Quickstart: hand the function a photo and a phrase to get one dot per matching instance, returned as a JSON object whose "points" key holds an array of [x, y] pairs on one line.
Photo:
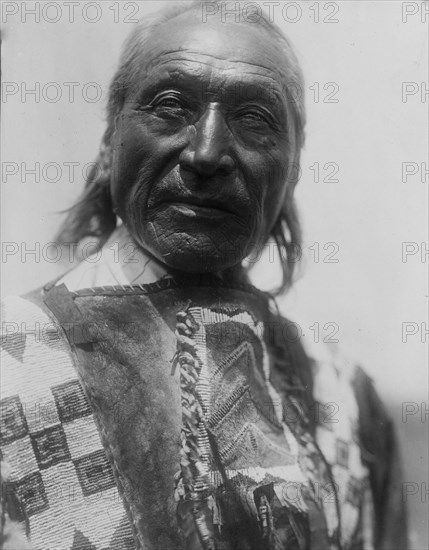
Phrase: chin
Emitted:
{"points": [[198, 259], [194, 252]]}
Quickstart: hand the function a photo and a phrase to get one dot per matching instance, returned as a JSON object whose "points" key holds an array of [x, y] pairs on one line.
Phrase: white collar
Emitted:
{"points": [[119, 262]]}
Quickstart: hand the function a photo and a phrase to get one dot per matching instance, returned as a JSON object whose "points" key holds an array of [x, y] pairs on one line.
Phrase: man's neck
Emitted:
{"points": [[121, 262]]}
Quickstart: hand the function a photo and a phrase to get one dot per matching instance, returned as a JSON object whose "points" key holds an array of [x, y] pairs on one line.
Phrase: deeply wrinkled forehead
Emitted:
{"points": [[229, 47]]}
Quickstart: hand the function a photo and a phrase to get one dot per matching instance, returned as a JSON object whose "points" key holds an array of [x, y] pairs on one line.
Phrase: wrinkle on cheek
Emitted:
{"points": [[269, 141]]}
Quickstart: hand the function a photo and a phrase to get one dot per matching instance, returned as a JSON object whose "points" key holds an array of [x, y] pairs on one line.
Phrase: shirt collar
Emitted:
{"points": [[118, 262]]}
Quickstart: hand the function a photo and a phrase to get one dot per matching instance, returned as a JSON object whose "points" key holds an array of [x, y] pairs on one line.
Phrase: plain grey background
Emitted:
{"points": [[365, 65]]}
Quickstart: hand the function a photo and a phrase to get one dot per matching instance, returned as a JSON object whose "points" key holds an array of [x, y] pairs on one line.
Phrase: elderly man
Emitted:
{"points": [[165, 407]]}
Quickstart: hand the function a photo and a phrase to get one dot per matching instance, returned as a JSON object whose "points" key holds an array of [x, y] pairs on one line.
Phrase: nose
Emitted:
{"points": [[208, 151]]}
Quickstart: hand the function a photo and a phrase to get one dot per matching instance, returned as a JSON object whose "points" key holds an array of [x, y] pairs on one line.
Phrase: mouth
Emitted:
{"points": [[205, 208]]}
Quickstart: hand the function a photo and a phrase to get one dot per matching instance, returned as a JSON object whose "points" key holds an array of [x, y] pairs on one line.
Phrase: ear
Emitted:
{"points": [[294, 173]]}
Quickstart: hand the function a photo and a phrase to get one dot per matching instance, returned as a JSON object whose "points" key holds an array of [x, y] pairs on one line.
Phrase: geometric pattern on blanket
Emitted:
{"points": [[59, 470], [226, 370]]}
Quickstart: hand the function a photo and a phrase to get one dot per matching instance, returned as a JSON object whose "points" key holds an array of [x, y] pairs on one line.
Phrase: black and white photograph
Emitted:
{"points": [[214, 275]]}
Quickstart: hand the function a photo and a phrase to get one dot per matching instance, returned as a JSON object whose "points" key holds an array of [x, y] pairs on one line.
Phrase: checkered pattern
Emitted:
{"points": [[336, 434], [59, 470]]}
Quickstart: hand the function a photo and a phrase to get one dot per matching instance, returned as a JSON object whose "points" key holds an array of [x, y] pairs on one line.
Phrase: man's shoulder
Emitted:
{"points": [[30, 337], [328, 371], [25, 309], [337, 376], [18, 311], [309, 349]]}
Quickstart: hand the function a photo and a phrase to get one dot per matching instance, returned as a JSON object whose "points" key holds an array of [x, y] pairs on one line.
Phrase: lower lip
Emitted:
{"points": [[194, 210]]}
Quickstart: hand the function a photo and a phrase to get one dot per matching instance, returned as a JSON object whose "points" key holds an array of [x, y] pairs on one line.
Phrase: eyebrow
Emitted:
{"points": [[242, 90]]}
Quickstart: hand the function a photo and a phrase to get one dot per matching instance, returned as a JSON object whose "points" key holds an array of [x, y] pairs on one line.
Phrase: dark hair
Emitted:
{"points": [[93, 214]]}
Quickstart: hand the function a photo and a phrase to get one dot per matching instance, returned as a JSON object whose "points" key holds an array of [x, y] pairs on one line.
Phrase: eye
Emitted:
{"points": [[254, 116], [169, 103], [172, 102]]}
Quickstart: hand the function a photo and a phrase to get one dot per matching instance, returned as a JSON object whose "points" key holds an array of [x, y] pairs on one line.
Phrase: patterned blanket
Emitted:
{"points": [[168, 416]]}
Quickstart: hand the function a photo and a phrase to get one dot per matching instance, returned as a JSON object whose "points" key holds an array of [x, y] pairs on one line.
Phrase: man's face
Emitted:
{"points": [[202, 144]]}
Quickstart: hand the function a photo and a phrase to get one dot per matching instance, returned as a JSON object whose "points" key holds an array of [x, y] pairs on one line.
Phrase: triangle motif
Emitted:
{"points": [[14, 344], [80, 542]]}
